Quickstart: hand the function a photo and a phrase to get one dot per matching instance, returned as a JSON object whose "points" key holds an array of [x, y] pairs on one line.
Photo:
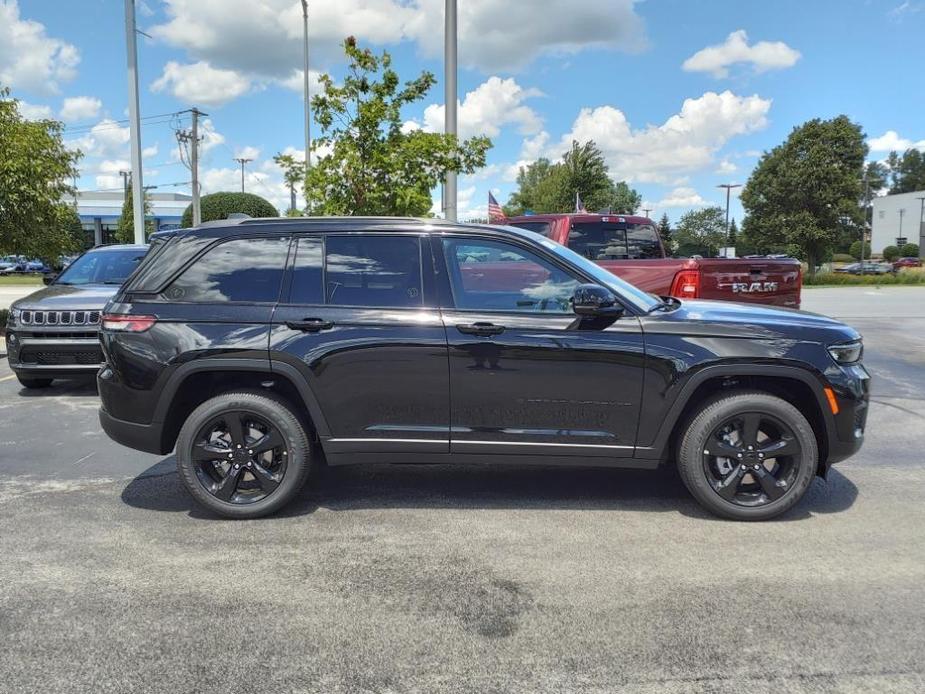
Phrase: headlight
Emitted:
{"points": [[847, 353], [13, 317]]}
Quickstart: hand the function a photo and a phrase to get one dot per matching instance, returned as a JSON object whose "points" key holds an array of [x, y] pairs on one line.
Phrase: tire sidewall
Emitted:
{"points": [[280, 416], [690, 458]]}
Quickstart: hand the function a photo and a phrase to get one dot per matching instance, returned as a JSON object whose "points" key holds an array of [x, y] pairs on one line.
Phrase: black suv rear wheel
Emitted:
{"points": [[748, 456], [243, 455]]}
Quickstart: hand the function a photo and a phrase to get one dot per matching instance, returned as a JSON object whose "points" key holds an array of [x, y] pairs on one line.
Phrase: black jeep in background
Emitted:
{"points": [[260, 347], [53, 333]]}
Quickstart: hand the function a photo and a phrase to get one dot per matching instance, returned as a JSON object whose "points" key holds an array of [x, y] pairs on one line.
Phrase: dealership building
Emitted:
{"points": [[898, 219], [99, 212]]}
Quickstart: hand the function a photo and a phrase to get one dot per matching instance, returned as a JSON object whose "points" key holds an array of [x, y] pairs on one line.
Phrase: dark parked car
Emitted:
{"points": [[259, 348], [53, 332], [865, 268]]}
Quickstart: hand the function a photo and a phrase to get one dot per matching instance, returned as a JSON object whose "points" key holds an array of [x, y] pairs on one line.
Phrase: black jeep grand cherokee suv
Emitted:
{"points": [[259, 347]]}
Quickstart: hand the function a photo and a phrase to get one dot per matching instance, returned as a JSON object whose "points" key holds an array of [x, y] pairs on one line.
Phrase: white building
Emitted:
{"points": [[898, 219], [100, 211]]}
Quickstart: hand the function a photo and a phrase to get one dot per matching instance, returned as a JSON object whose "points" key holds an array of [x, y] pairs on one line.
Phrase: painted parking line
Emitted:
{"points": [[7, 378]]}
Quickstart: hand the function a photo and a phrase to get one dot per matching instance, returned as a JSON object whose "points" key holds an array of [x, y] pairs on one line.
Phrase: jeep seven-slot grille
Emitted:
{"points": [[60, 317]]}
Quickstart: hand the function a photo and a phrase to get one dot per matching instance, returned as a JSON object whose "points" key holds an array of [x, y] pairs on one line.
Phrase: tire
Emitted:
{"points": [[754, 496], [33, 382], [206, 479]]}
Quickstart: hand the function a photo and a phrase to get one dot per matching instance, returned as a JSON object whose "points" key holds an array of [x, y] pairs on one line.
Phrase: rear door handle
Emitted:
{"points": [[480, 328], [310, 325]]}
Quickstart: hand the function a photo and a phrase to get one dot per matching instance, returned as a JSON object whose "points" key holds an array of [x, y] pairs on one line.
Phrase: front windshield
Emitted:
{"points": [[640, 299], [102, 267]]}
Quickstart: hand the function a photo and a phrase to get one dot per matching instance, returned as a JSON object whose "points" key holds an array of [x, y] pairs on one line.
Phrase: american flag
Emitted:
{"points": [[495, 213]]}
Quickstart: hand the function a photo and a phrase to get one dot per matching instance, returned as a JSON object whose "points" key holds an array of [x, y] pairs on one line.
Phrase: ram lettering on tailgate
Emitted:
{"points": [[752, 287]]}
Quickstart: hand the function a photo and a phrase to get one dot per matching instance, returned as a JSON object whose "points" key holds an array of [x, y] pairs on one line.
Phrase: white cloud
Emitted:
{"points": [[78, 108], [148, 152], [905, 9], [686, 142], [486, 109], [34, 111], [891, 141], [108, 176], [726, 167], [29, 58], [681, 197], [295, 82], [105, 139], [262, 39], [200, 83], [247, 152], [762, 56]]}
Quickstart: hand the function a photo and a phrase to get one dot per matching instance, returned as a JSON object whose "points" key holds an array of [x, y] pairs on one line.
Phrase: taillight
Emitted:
{"points": [[127, 324], [686, 284]]}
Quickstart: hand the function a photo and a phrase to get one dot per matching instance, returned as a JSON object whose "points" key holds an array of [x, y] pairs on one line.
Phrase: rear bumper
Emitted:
{"points": [[141, 437]]}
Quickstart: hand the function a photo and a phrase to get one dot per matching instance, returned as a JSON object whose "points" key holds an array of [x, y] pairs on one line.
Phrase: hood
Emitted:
{"points": [[68, 297], [730, 319]]}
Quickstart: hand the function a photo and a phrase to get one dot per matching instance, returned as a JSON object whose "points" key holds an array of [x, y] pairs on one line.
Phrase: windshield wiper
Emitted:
{"points": [[113, 281]]}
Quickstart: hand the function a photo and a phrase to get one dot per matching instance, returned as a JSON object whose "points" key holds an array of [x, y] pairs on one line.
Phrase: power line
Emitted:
{"points": [[110, 124]]}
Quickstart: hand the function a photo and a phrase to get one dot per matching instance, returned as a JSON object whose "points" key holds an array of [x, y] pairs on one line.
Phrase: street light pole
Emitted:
{"points": [[902, 213], [242, 161], [131, 50], [307, 94], [728, 187], [449, 78], [922, 228]]}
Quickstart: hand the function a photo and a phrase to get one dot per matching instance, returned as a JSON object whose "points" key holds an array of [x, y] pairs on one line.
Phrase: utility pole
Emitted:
{"points": [[194, 165], [864, 225], [921, 228], [902, 213], [728, 187], [449, 78], [307, 97], [242, 161], [131, 51], [126, 182], [647, 210]]}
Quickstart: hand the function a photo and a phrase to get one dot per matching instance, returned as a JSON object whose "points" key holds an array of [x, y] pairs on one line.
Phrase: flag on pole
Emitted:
{"points": [[495, 213], [579, 205]]}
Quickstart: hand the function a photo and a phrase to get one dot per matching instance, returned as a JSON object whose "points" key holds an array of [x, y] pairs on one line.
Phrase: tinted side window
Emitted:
{"points": [[642, 241], [495, 276], [373, 270], [599, 240], [307, 272], [237, 270]]}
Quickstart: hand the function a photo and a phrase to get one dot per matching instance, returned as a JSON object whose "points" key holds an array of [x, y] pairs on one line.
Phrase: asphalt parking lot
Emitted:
{"points": [[439, 579]]}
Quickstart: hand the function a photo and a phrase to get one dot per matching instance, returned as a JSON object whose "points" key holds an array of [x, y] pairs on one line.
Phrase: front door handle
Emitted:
{"points": [[480, 328], [310, 325]]}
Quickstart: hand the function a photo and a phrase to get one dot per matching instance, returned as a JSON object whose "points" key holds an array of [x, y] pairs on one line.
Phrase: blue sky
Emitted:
{"points": [[680, 95]]}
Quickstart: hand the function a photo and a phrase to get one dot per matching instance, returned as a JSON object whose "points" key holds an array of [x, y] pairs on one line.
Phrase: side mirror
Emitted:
{"points": [[595, 301], [49, 278]]}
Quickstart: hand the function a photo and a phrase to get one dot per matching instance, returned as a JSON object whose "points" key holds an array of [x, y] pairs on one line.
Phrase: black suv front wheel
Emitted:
{"points": [[243, 455], [748, 456]]}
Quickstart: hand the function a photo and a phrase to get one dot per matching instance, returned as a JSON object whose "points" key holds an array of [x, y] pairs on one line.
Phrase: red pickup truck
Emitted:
{"points": [[630, 247]]}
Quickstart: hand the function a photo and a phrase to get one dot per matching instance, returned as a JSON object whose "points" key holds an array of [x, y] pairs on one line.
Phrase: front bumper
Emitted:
{"points": [[851, 385], [53, 352]]}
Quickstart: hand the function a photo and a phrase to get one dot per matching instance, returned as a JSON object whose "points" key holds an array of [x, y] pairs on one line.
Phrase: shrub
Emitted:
{"points": [[909, 250], [220, 205], [855, 250], [834, 278], [891, 253], [842, 257]]}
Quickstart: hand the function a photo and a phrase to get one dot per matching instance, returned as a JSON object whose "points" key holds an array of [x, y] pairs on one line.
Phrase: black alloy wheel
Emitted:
{"points": [[751, 459], [240, 457], [244, 455], [748, 455]]}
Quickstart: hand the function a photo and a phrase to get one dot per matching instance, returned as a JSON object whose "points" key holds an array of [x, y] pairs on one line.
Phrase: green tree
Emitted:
{"points": [[125, 227], [803, 191], [664, 230], [219, 205], [36, 171], [375, 166], [891, 253], [701, 232], [623, 199], [538, 186], [909, 250], [855, 250], [906, 171], [293, 175], [733, 235]]}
